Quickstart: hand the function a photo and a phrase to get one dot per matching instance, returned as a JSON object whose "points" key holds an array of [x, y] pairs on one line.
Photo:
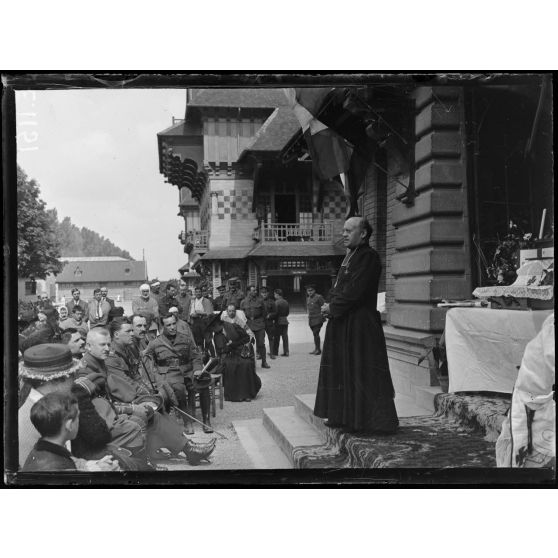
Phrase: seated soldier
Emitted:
{"points": [[104, 421], [56, 417], [125, 385], [181, 325], [178, 361]]}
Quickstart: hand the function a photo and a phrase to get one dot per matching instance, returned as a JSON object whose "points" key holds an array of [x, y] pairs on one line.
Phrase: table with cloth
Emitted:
{"points": [[485, 346]]}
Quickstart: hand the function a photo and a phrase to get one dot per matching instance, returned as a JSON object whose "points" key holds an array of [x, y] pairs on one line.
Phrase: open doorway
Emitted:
{"points": [[285, 208]]}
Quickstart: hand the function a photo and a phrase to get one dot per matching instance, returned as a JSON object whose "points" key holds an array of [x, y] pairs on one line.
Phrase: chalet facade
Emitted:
{"points": [[447, 168], [254, 218]]}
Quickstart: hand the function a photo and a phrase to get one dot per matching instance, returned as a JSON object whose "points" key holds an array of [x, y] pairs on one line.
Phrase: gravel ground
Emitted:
{"points": [[287, 377]]}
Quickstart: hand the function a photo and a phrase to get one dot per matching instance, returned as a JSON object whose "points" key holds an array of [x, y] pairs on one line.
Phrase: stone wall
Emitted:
{"points": [[431, 260]]}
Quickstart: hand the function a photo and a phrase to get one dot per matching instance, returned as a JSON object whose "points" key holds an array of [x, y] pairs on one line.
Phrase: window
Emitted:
{"points": [[30, 287]]}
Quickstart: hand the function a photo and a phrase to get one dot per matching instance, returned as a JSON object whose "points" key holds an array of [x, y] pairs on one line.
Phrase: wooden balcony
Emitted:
{"points": [[200, 239], [294, 232]]}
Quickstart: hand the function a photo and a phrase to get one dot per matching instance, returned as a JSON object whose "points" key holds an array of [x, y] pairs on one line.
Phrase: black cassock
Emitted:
{"points": [[355, 387]]}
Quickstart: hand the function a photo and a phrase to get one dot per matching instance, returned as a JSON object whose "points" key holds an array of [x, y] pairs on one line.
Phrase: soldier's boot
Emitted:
{"points": [[264, 361], [205, 404]]}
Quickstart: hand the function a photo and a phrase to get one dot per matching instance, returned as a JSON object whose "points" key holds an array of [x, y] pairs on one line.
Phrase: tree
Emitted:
{"points": [[38, 248]]}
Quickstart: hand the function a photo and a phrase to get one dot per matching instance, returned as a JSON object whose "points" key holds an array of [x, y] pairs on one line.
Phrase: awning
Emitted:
{"points": [[297, 249], [233, 253]]}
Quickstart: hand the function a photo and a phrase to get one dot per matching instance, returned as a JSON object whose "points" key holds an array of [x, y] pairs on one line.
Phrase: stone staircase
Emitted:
{"points": [[292, 437]]}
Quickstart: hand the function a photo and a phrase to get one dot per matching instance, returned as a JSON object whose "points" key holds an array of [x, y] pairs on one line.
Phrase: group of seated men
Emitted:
{"points": [[126, 376]]}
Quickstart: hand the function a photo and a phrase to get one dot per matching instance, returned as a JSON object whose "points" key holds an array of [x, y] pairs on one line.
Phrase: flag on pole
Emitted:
{"points": [[331, 154]]}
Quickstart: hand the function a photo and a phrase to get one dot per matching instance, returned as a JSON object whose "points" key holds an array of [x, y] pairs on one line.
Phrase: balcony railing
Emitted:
{"points": [[294, 232], [200, 239]]}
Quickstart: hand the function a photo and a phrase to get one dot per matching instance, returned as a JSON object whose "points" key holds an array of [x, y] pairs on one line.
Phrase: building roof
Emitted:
{"points": [[238, 98], [84, 270], [297, 249], [93, 259], [232, 253], [276, 131]]}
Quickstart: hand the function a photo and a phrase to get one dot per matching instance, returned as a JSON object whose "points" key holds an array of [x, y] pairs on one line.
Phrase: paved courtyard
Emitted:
{"points": [[287, 377]]}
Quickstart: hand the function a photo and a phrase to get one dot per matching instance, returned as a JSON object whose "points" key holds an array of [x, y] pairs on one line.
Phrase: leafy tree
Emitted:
{"points": [[38, 248]]}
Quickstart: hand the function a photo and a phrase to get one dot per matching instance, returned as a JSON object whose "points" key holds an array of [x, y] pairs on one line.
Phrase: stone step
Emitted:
{"points": [[290, 431], [260, 446], [425, 395], [405, 406]]}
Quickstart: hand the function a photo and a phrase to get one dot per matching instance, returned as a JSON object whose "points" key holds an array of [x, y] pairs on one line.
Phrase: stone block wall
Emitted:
{"points": [[430, 242]]}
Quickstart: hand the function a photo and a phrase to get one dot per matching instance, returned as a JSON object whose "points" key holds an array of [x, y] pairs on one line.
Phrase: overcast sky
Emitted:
{"points": [[96, 162]]}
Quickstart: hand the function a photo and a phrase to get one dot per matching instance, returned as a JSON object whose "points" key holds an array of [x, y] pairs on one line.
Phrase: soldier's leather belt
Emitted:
{"points": [[172, 361]]}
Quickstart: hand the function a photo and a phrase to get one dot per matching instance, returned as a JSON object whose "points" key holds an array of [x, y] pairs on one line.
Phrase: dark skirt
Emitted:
{"points": [[355, 387], [240, 379]]}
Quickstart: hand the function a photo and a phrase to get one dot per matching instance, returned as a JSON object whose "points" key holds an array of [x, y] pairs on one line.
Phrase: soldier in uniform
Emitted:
{"points": [[98, 411], [234, 296], [125, 385], [253, 307], [184, 300], [178, 361], [314, 303], [169, 300], [220, 302], [270, 310]]}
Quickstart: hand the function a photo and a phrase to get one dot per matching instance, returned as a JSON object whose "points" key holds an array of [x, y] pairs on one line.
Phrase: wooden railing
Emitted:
{"points": [[294, 232], [200, 239]]}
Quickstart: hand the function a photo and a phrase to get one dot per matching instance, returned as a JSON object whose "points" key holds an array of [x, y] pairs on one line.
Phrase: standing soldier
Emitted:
{"points": [[314, 303], [253, 307], [178, 362], [220, 302], [281, 323], [184, 298], [270, 311], [234, 296], [169, 300]]}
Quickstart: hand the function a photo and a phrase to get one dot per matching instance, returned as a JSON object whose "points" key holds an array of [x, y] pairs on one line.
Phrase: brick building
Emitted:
{"points": [[122, 277], [448, 167]]}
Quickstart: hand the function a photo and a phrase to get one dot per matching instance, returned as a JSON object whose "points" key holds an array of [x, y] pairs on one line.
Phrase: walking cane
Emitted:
{"points": [[211, 361]]}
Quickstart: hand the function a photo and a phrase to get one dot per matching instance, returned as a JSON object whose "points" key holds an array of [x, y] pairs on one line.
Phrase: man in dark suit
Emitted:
{"points": [[105, 298], [98, 310]]}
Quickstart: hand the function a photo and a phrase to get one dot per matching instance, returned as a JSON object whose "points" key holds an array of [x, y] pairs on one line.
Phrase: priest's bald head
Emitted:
{"points": [[356, 231]]}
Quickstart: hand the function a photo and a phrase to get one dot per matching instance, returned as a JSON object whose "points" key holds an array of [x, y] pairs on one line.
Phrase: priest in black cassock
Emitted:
{"points": [[355, 390]]}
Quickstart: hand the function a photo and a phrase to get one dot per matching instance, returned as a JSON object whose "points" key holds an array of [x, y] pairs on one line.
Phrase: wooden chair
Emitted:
{"points": [[215, 390]]}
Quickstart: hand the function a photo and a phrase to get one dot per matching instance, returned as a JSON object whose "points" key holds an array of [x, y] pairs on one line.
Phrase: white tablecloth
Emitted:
{"points": [[484, 347]]}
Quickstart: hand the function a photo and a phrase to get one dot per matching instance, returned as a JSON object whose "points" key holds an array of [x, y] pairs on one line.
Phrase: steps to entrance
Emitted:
{"points": [[290, 431], [288, 437], [260, 445]]}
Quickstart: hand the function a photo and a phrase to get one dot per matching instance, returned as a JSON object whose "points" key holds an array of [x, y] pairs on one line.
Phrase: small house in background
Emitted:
{"points": [[122, 277]]}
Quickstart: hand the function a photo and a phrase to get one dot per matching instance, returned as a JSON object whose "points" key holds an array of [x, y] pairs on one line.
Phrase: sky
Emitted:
{"points": [[94, 155]]}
